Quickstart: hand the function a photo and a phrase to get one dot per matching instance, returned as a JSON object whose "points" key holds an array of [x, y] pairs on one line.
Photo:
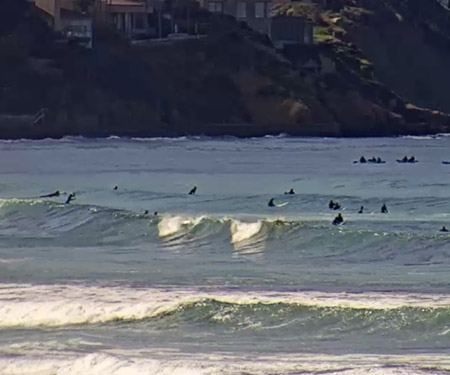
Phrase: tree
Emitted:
{"points": [[12, 12]]}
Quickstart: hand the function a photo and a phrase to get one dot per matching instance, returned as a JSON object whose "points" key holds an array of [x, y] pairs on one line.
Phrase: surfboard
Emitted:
{"points": [[446, 162], [282, 204]]}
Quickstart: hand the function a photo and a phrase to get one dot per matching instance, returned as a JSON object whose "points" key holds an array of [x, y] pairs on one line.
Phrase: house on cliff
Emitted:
{"points": [[130, 17], [286, 30], [68, 18], [259, 16], [73, 19]]}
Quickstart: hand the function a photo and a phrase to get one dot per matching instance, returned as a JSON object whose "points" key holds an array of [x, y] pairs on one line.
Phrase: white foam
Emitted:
{"points": [[170, 225], [241, 231], [131, 363], [59, 305], [13, 260]]}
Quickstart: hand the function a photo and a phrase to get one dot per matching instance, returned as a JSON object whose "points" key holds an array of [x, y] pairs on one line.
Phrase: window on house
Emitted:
{"points": [[261, 9], [215, 6], [241, 9]]}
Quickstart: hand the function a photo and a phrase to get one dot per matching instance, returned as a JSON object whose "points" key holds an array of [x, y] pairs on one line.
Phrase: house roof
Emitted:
{"points": [[128, 6]]}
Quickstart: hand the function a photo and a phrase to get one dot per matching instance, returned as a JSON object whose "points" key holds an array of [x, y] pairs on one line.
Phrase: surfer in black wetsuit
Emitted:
{"points": [[362, 160], [361, 210], [405, 159], [193, 190], [337, 206], [51, 195], [290, 192], [116, 188], [412, 159], [338, 220], [384, 209], [331, 205], [70, 198], [443, 229], [271, 204]]}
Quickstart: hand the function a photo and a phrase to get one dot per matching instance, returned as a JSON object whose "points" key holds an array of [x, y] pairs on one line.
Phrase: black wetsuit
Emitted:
{"points": [[338, 220], [271, 204], [193, 190], [70, 198]]}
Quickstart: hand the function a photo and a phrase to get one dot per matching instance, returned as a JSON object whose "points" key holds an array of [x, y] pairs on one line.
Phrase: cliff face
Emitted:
{"points": [[231, 82], [409, 46]]}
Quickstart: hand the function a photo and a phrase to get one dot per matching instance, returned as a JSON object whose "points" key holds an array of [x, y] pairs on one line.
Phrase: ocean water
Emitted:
{"points": [[219, 283]]}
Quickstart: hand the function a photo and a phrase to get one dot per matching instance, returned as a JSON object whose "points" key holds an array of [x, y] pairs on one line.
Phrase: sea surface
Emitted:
{"points": [[219, 283]]}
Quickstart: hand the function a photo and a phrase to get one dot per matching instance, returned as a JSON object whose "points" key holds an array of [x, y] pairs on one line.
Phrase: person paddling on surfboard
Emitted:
{"points": [[193, 190], [338, 220], [443, 229], [290, 192], [51, 195], [271, 204]]}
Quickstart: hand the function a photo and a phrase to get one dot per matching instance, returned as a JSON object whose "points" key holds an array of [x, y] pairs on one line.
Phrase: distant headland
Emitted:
{"points": [[138, 68]]}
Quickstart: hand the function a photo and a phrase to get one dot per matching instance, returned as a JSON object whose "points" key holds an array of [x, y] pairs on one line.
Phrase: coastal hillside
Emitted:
{"points": [[377, 68]]}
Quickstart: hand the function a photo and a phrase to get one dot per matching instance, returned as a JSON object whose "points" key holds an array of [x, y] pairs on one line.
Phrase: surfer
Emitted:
{"points": [[290, 192], [405, 159], [331, 205], [271, 204], [337, 206], [155, 213], [412, 159], [362, 160], [384, 209], [116, 187], [338, 220], [146, 212], [193, 190], [361, 210], [443, 229], [70, 198], [51, 195]]}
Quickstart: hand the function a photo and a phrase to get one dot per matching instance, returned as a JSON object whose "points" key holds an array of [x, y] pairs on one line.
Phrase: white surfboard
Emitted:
{"points": [[282, 204]]}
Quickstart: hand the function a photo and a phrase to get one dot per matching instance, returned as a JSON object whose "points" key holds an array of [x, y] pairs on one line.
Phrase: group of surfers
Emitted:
{"points": [[338, 220], [378, 160]]}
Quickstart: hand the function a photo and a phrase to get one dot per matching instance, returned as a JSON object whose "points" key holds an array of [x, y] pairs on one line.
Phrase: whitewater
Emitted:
{"points": [[146, 279]]}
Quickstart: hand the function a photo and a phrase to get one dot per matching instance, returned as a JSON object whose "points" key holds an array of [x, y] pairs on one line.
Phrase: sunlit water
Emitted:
{"points": [[220, 283]]}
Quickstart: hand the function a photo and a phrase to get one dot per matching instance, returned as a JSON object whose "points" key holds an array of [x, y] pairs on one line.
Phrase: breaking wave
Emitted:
{"points": [[61, 305]]}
